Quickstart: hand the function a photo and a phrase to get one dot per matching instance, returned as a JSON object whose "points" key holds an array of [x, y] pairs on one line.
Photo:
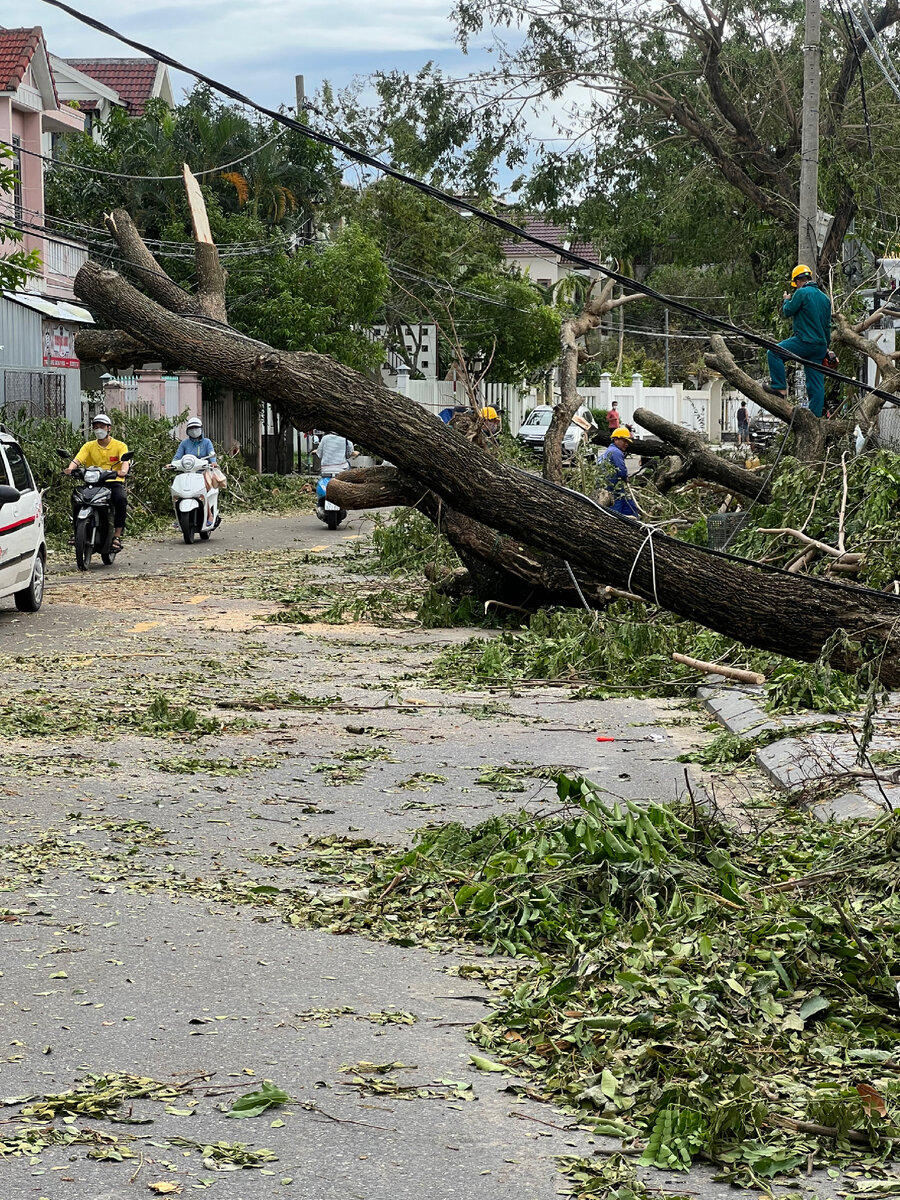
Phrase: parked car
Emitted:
{"points": [[23, 554], [534, 429]]}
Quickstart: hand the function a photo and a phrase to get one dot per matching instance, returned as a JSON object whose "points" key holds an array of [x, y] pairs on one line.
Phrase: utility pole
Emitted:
{"points": [[666, 336], [807, 241]]}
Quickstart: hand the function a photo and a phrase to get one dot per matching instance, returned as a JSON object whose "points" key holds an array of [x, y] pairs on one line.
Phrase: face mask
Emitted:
{"points": [[101, 433], [196, 436]]}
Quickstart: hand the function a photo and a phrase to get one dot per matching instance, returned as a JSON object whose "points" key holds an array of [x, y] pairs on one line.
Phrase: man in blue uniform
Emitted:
{"points": [[612, 464], [810, 311]]}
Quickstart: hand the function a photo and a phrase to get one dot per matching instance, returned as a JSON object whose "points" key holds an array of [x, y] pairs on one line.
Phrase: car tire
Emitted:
{"points": [[29, 599]]}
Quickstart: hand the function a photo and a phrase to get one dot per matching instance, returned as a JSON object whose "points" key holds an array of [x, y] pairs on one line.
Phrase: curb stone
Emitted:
{"points": [[795, 760]]}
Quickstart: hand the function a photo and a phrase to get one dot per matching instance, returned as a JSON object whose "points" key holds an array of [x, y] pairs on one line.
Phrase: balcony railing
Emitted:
{"points": [[63, 259]]}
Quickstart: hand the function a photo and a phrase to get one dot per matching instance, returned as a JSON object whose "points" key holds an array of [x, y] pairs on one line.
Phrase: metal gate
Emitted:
{"points": [[38, 394]]}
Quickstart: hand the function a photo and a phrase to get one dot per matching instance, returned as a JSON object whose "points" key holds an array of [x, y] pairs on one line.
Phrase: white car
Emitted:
{"points": [[23, 554], [534, 429]]}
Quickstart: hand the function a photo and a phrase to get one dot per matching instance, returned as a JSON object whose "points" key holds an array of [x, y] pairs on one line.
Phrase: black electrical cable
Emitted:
{"points": [[459, 204]]}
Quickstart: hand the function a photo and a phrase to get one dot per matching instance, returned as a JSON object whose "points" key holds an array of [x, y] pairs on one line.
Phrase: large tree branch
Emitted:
{"points": [[700, 461], [810, 433], [758, 605]]}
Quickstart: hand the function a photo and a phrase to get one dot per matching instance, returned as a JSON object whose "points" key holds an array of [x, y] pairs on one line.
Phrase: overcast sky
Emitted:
{"points": [[259, 47]]}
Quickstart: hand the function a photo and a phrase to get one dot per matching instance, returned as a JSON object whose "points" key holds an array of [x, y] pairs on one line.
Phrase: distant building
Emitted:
{"points": [[38, 368], [540, 265], [134, 81], [421, 342]]}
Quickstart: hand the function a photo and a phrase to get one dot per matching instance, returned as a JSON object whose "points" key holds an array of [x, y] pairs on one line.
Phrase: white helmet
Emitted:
{"points": [[193, 423], [101, 419]]}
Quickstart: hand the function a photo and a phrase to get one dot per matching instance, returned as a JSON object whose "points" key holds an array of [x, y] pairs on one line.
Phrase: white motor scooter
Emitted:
{"points": [[196, 500]]}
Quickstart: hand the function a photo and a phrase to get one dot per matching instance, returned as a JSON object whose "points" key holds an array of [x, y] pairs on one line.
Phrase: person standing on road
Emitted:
{"points": [[612, 416], [613, 467], [106, 453], [743, 424], [810, 311]]}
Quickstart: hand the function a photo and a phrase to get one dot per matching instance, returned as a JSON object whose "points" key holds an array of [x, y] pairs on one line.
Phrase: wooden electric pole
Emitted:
{"points": [[807, 241]]}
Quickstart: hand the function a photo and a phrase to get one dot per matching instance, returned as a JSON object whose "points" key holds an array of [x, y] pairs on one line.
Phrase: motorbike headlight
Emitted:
{"points": [[92, 475]]}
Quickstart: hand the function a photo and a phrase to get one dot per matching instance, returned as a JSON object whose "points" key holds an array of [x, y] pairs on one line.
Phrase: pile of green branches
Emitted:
{"points": [[694, 990]]}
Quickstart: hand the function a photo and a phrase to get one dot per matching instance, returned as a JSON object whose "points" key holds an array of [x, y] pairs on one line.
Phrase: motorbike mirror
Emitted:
{"points": [[63, 454], [128, 456]]}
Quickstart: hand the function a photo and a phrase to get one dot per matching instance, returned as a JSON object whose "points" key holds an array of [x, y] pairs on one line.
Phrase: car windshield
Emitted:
{"points": [[540, 418]]}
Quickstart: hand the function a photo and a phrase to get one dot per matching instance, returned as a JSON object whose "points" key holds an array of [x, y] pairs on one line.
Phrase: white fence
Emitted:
{"points": [[700, 410]]}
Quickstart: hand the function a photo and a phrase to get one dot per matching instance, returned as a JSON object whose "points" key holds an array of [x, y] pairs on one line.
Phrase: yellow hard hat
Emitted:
{"points": [[489, 413], [798, 272], [621, 432]]}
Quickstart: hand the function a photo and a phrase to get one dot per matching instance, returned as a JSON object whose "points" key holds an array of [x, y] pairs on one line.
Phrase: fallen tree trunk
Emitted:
{"points": [[757, 605], [500, 569], [700, 461]]}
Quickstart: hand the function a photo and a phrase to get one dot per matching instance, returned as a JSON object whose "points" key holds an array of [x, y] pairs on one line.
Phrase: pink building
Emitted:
{"points": [[38, 367]]}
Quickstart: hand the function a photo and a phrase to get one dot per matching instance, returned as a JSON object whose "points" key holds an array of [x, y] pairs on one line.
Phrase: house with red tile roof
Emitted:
{"points": [[91, 97], [133, 80], [542, 266]]}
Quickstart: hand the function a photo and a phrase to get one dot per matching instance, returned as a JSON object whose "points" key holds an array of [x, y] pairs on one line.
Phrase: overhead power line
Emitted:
{"points": [[56, 162], [458, 204]]}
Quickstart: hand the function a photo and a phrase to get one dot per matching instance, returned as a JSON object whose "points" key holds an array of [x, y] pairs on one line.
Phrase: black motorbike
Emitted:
{"points": [[92, 504]]}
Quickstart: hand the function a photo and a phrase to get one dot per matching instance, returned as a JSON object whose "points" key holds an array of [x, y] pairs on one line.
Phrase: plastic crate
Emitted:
{"points": [[721, 528]]}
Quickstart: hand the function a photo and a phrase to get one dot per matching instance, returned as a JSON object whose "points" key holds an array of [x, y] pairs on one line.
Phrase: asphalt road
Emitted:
{"points": [[120, 955]]}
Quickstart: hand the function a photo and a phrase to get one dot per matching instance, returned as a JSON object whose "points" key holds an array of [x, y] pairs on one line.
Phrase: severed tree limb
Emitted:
{"points": [[210, 275], [708, 668], [141, 263], [870, 406], [808, 541], [113, 348], [758, 605], [699, 460]]}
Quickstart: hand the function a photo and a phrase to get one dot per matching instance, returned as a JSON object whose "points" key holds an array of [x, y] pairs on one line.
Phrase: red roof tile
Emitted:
{"points": [[17, 47], [132, 78], [550, 233]]}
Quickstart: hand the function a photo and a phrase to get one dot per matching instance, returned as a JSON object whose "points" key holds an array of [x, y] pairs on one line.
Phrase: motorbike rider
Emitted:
{"points": [[335, 453], [195, 443], [105, 452]]}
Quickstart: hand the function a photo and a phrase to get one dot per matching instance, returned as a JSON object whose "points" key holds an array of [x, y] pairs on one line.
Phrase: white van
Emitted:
{"points": [[23, 554]]}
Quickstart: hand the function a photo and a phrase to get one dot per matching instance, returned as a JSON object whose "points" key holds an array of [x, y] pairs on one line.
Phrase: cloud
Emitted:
{"points": [[238, 42]]}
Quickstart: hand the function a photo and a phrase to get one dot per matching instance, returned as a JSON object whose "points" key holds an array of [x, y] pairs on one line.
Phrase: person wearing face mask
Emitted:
{"points": [[106, 453], [195, 443]]}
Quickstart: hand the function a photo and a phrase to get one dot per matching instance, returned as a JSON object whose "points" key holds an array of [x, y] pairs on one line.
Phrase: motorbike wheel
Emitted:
{"points": [[205, 535], [186, 521], [84, 549], [332, 519], [109, 558]]}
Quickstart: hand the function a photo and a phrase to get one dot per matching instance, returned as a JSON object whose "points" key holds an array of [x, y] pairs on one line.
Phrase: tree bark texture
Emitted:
{"points": [[500, 568], [758, 605]]}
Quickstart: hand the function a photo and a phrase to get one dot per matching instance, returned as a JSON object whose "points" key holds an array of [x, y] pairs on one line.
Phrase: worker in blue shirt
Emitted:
{"points": [[195, 443], [612, 466], [810, 311]]}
